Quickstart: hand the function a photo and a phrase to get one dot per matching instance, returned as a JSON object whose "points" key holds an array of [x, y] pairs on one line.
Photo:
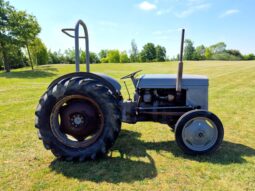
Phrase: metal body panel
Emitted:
{"points": [[167, 81], [196, 86], [111, 80], [197, 96]]}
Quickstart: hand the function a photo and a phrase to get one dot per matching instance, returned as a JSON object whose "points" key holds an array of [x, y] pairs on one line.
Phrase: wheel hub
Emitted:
{"points": [[78, 120], [199, 134]]}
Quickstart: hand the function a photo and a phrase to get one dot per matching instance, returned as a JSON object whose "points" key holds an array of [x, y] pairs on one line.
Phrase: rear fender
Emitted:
{"points": [[110, 82]]}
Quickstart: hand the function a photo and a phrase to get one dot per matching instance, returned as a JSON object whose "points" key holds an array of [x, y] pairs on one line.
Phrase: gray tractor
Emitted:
{"points": [[79, 116]]}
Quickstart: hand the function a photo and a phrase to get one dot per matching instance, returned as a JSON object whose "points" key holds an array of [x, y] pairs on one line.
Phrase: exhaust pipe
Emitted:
{"points": [[180, 67]]}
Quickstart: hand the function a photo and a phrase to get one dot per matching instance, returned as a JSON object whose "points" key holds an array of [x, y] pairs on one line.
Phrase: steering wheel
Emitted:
{"points": [[130, 75]]}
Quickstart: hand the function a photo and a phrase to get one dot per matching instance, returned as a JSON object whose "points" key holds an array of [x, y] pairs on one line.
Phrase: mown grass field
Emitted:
{"points": [[145, 156]]}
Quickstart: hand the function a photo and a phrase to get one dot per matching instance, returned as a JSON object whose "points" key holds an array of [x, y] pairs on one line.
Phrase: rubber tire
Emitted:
{"points": [[188, 116], [108, 104]]}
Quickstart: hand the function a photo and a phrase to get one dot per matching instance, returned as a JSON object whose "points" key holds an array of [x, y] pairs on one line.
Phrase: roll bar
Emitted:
{"points": [[76, 42]]}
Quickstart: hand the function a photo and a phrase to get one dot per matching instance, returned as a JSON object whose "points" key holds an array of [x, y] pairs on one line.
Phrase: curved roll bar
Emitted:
{"points": [[76, 42]]}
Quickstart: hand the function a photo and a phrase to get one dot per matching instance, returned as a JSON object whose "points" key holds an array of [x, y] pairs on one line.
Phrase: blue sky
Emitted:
{"points": [[114, 23]]}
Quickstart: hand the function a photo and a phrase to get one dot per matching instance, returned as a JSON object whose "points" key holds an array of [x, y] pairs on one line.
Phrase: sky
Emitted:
{"points": [[112, 24]]}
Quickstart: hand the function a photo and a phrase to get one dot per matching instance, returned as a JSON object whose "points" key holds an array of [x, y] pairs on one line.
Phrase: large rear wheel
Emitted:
{"points": [[78, 119]]}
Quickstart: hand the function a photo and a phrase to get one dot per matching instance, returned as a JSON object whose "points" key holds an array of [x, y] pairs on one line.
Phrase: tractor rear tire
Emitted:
{"points": [[78, 119], [199, 132]]}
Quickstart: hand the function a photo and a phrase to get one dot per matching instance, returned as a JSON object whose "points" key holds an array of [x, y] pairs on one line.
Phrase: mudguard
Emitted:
{"points": [[114, 82], [110, 82]]}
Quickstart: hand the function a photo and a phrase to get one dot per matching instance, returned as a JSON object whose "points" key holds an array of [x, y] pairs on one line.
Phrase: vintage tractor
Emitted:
{"points": [[79, 116]]}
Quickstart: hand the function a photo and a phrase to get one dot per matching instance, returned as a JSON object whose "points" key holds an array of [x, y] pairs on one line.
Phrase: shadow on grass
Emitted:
{"points": [[113, 169], [228, 153], [42, 72], [129, 145], [124, 169]]}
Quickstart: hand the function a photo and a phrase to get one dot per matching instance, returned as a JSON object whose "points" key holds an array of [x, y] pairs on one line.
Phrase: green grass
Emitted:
{"points": [[145, 156]]}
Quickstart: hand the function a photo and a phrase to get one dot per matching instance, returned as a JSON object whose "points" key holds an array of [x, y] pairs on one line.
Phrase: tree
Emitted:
{"points": [[148, 54], [235, 53], [25, 28], [160, 53], [56, 57], [5, 38], [103, 54], [124, 57], [82, 56], [18, 29], [39, 52], [221, 56], [249, 57], [134, 54], [94, 58], [208, 53], [189, 50], [1, 62], [15, 56], [104, 60], [200, 52], [70, 56], [218, 47], [113, 56]]}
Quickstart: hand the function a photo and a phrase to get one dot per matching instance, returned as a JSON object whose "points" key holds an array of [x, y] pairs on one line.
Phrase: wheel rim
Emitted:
{"points": [[200, 134], [76, 121]]}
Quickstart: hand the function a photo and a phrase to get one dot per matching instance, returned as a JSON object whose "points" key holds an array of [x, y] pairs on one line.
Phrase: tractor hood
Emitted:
{"points": [[169, 81]]}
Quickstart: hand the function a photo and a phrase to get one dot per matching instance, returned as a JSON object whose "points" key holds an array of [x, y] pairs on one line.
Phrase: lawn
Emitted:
{"points": [[145, 156]]}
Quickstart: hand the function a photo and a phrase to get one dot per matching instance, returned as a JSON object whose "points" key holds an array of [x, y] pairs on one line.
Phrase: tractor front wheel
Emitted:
{"points": [[199, 132]]}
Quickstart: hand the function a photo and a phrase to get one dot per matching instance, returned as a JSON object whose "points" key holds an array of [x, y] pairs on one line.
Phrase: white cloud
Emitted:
{"points": [[193, 7], [146, 6], [229, 12]]}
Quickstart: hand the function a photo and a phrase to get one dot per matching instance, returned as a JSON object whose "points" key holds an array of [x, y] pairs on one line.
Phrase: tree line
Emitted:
{"points": [[216, 51], [20, 46], [149, 53]]}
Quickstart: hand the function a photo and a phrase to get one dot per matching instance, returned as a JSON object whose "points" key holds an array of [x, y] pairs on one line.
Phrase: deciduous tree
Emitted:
{"points": [[200, 52], [5, 38], [218, 47], [160, 53], [148, 53], [208, 54], [124, 57], [188, 50], [25, 28], [103, 54], [113, 56], [94, 58], [134, 53], [39, 52]]}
